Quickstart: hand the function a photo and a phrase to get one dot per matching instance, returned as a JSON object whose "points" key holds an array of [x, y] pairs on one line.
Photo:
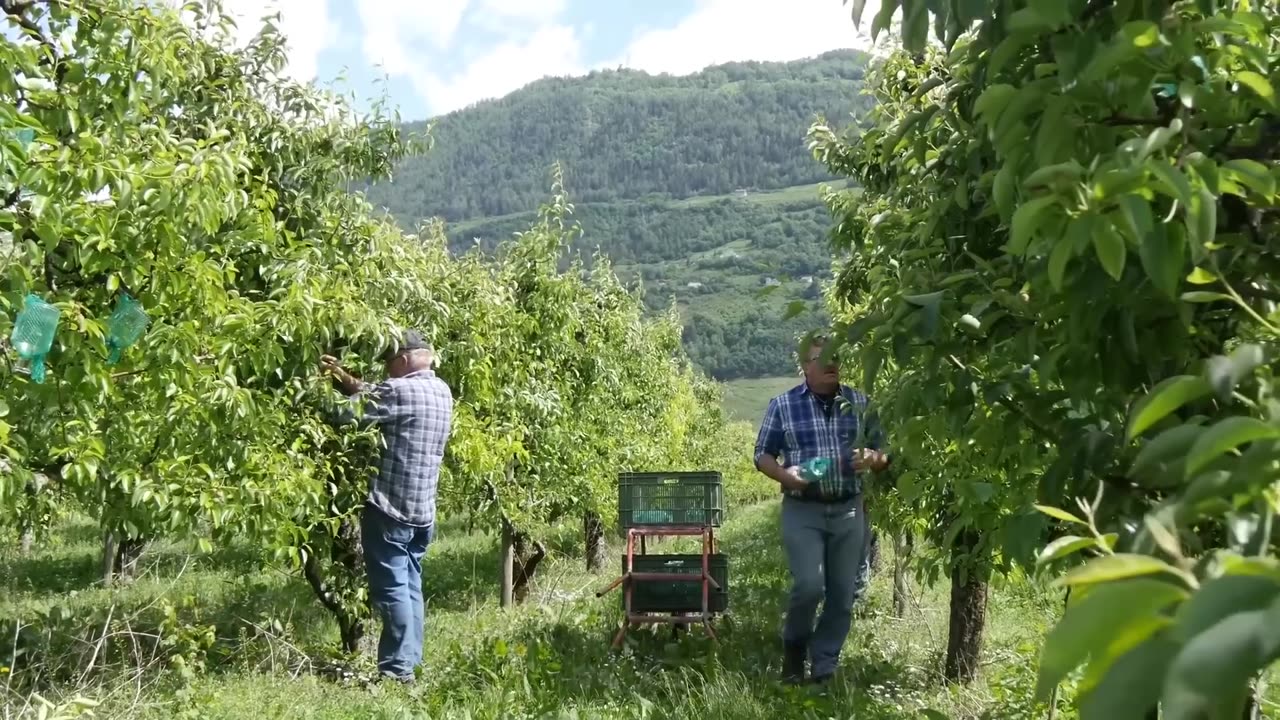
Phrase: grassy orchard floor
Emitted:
{"points": [[746, 400], [548, 658]]}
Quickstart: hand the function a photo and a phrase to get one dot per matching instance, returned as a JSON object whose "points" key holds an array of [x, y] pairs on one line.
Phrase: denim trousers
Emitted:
{"points": [[827, 549], [393, 555]]}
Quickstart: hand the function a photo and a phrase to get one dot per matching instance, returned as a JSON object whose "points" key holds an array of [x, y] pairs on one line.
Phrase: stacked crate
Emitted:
{"points": [[671, 588]]}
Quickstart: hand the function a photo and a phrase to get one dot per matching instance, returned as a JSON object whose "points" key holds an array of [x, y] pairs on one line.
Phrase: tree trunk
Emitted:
{"points": [[873, 549], [109, 552], [351, 624], [968, 611], [597, 551], [506, 563], [901, 555], [27, 540], [130, 552], [526, 566], [351, 630]]}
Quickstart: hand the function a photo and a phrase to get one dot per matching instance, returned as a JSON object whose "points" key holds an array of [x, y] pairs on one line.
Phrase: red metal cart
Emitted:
{"points": [[661, 588]]}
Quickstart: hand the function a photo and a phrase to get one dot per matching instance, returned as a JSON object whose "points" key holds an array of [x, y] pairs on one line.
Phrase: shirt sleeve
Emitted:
{"points": [[377, 403], [771, 438]]}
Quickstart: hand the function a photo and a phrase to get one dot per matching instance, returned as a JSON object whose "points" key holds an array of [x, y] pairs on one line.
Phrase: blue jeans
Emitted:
{"points": [[827, 552], [393, 559]]}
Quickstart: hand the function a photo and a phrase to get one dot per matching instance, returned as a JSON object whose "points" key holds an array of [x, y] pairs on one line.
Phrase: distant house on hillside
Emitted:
{"points": [[772, 282], [694, 285], [807, 279]]}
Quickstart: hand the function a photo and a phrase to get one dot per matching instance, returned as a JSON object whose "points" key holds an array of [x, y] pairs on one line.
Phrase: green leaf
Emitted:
{"points": [[1120, 566], [1024, 223], [1059, 514], [1002, 191], [1164, 538], [1259, 85], [992, 101], [1064, 546], [1170, 445], [1200, 276], [794, 309], [1253, 175], [1142, 33], [1225, 373], [1163, 255], [1221, 597], [1130, 684], [1029, 20], [1202, 215], [1165, 398], [1095, 620], [1058, 258], [925, 300], [1110, 249], [915, 26], [1200, 296], [1225, 436], [1172, 181], [883, 18], [1157, 139], [856, 12], [1209, 677], [1062, 172]]}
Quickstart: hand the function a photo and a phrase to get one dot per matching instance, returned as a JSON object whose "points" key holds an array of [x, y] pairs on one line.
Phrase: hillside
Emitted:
{"points": [[700, 188]]}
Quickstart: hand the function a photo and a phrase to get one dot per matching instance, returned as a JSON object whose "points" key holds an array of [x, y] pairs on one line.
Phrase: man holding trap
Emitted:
{"points": [[826, 442]]}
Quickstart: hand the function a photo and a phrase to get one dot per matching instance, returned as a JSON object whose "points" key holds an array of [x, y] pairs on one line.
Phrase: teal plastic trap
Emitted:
{"points": [[126, 325], [24, 136], [33, 333], [816, 470]]}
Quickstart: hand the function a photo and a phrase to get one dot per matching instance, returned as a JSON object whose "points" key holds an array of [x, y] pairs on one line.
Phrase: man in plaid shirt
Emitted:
{"points": [[824, 527], [413, 408]]}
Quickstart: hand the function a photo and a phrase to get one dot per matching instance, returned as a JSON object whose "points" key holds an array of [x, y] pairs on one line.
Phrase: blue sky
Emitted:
{"points": [[441, 55]]}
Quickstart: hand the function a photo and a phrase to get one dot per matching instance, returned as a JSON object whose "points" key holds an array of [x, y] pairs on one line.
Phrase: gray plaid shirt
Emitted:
{"points": [[414, 413]]}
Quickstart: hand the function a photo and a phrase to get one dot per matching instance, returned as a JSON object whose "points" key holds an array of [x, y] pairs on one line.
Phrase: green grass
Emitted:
{"points": [[781, 196], [747, 399], [548, 658]]}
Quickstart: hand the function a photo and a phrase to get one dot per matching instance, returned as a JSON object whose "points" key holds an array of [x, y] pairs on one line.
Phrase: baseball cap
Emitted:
{"points": [[411, 340]]}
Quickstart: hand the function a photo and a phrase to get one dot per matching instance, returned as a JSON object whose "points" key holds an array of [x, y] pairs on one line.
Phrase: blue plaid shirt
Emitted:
{"points": [[799, 426], [414, 413]]}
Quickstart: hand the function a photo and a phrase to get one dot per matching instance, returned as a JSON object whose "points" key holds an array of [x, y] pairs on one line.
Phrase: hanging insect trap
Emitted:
{"points": [[33, 333], [126, 325]]}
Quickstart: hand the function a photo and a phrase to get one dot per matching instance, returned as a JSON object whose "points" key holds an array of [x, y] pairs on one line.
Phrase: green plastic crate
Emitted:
{"points": [[677, 595], [687, 499]]}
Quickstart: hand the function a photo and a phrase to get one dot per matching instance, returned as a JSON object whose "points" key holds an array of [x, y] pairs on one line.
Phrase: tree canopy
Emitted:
{"points": [[195, 180], [1063, 272]]}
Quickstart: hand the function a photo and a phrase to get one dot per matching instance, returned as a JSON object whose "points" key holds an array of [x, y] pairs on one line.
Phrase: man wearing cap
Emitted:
{"points": [[413, 409]]}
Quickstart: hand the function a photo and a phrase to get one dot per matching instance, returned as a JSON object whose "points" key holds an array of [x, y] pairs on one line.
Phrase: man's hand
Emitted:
{"points": [[873, 460], [330, 366], [791, 480]]}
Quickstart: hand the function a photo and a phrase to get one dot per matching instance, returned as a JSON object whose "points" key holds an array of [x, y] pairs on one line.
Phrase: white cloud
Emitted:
{"points": [[393, 28], [552, 50], [305, 24], [406, 37], [720, 31], [540, 10]]}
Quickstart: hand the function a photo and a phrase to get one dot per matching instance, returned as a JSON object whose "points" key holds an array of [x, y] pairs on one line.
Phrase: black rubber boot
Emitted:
{"points": [[793, 664]]}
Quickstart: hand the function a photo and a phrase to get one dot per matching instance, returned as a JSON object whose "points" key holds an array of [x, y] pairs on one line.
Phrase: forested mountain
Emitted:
{"points": [[699, 186]]}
